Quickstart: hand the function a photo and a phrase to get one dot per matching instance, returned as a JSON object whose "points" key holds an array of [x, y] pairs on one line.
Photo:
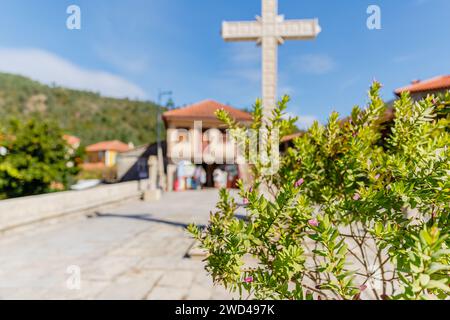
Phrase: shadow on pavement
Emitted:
{"points": [[144, 217]]}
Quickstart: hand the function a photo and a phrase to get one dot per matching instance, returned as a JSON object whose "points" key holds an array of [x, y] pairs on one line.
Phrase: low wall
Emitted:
{"points": [[22, 211]]}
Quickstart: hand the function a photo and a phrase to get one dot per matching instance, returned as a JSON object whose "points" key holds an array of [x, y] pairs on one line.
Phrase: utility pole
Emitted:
{"points": [[160, 181]]}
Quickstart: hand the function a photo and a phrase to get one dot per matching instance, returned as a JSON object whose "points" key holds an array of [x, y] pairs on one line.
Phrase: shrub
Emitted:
{"points": [[37, 158], [351, 214]]}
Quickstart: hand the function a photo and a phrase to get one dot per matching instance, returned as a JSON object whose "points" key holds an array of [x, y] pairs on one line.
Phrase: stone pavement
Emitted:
{"points": [[133, 251]]}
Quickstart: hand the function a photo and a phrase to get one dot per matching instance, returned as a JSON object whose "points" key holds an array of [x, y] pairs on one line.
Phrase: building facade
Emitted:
{"points": [[105, 153], [420, 89], [200, 153]]}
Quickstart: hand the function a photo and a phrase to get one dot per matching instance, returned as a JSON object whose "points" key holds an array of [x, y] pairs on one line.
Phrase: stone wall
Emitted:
{"points": [[22, 211]]}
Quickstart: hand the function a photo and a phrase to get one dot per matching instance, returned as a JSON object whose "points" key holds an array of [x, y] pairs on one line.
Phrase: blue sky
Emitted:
{"points": [[134, 47]]}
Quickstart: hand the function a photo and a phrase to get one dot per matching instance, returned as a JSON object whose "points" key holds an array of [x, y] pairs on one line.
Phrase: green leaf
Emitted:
{"points": [[424, 279], [425, 237], [437, 267], [433, 284]]}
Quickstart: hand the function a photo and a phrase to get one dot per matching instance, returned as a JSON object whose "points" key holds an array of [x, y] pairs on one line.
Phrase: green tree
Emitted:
{"points": [[349, 210], [35, 156], [87, 115]]}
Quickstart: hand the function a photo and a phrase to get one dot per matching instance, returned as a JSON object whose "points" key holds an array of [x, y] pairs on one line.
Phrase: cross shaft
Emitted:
{"points": [[269, 31]]}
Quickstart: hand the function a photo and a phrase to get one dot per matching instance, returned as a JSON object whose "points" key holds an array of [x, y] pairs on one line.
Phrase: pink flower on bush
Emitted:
{"points": [[246, 201], [356, 197], [377, 177], [299, 183], [313, 223], [363, 288], [248, 280]]}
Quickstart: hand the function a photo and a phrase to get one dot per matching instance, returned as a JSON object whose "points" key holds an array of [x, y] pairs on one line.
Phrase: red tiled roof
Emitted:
{"points": [[115, 145], [72, 140], [292, 137], [205, 110], [437, 83]]}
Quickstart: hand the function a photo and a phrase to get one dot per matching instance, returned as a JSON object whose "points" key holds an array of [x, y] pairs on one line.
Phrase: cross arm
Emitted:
{"points": [[298, 29], [241, 31]]}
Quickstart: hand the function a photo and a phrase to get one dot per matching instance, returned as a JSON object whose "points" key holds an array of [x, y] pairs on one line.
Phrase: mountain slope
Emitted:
{"points": [[84, 114]]}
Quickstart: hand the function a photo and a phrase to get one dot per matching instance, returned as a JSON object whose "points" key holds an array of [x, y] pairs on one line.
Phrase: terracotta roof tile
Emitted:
{"points": [[72, 140], [205, 110], [292, 137], [437, 83], [108, 146]]}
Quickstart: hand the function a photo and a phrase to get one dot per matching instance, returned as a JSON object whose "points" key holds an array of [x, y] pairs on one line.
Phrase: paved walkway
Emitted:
{"points": [[133, 251]]}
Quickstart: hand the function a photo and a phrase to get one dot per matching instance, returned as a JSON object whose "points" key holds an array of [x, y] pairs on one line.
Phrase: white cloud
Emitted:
{"points": [[317, 64], [123, 61], [243, 61], [245, 53], [348, 83], [421, 2], [289, 90], [303, 122], [49, 68], [252, 75], [404, 58]]}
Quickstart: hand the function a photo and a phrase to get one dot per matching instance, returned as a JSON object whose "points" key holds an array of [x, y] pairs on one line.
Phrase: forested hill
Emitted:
{"points": [[86, 115]]}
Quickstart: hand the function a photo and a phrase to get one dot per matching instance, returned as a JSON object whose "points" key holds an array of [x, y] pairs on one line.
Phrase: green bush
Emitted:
{"points": [[351, 214], [37, 158]]}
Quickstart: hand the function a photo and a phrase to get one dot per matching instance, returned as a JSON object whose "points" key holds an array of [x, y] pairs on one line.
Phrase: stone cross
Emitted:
{"points": [[269, 31]]}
